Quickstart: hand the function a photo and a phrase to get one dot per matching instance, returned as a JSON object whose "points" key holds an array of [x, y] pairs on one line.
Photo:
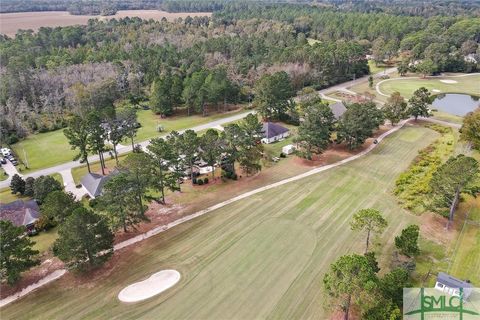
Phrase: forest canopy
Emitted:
{"points": [[54, 73]]}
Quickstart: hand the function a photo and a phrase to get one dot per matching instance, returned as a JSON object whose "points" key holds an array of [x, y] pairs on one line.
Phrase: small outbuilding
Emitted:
{"points": [[273, 132], [451, 285], [21, 213], [288, 149]]}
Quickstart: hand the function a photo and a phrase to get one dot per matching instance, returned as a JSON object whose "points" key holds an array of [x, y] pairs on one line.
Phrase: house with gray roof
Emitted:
{"points": [[93, 183], [451, 285], [338, 109], [21, 213], [273, 132]]}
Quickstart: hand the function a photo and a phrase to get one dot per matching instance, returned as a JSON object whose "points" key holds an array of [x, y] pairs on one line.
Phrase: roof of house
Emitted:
{"points": [[271, 130], [452, 282], [338, 109], [94, 182], [19, 212]]}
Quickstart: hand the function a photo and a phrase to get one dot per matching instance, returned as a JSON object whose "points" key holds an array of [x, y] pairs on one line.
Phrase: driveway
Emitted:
{"points": [[10, 169]]}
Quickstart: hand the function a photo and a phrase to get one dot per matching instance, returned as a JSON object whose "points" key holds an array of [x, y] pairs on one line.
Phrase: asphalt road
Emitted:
{"points": [[122, 150]]}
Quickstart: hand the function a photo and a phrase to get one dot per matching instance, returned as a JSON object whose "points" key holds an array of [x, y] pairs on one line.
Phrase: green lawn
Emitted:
{"points": [[48, 149], [44, 240], [466, 259], [3, 175], [150, 122], [261, 257], [374, 68], [406, 86], [44, 150]]}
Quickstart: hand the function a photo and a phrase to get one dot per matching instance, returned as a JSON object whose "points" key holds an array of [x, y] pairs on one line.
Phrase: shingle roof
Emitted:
{"points": [[271, 130], [94, 183], [19, 212], [452, 282], [338, 109]]}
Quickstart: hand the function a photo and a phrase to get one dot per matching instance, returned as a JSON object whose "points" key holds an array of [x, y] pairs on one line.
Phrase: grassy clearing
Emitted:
{"points": [[44, 240], [261, 257], [48, 149], [458, 253], [151, 121], [406, 86], [376, 68], [440, 115], [44, 150]]}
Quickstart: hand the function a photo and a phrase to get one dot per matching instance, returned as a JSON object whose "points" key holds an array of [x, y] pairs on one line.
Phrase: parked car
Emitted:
{"points": [[14, 162], [10, 157], [3, 161], [6, 151]]}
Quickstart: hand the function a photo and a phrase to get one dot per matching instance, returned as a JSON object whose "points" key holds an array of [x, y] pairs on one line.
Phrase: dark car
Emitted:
{"points": [[3, 161], [14, 162]]}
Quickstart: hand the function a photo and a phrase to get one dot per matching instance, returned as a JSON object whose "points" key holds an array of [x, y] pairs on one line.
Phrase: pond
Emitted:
{"points": [[454, 103]]}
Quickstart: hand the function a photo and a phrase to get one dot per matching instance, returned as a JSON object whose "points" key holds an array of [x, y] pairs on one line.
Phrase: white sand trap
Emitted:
{"points": [[448, 81], [157, 283], [435, 90]]}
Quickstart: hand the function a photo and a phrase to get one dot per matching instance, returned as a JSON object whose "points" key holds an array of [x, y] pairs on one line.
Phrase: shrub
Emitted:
{"points": [[200, 182], [205, 181], [234, 176], [194, 181], [282, 155]]}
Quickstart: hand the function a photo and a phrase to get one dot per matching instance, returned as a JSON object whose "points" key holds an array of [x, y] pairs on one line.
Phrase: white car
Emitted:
{"points": [[6, 152]]}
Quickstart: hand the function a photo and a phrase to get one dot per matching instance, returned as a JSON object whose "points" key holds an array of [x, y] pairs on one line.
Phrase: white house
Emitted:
{"points": [[273, 132]]}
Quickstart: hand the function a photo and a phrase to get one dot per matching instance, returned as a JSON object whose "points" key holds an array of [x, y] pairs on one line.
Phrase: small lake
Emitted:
{"points": [[455, 103]]}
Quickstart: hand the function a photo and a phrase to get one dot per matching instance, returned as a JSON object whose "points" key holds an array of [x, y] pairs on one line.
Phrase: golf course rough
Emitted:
{"points": [[261, 257]]}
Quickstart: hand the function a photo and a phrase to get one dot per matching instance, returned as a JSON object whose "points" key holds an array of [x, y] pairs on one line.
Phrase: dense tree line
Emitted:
{"points": [[201, 63], [110, 7]]}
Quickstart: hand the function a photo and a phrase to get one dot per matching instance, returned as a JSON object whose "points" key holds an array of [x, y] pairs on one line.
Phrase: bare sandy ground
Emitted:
{"points": [[448, 81], [10, 23], [155, 284]]}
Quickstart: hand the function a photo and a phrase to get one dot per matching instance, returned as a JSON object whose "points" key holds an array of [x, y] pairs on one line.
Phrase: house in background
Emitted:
{"points": [[273, 132], [451, 286], [21, 213], [93, 183], [338, 109]]}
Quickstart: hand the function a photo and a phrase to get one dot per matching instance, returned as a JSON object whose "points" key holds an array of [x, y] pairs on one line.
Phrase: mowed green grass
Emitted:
{"points": [[44, 150], [406, 87], [261, 257], [48, 149], [466, 259]]}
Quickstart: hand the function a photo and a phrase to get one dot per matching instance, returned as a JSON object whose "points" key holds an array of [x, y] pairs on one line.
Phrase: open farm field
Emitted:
{"points": [[10, 23]]}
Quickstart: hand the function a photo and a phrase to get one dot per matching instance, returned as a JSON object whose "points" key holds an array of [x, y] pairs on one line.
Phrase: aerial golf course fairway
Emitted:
{"points": [[261, 257], [468, 84]]}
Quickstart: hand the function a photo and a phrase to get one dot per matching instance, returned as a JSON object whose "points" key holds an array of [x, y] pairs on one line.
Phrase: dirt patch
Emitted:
{"points": [[338, 152], [158, 214], [32, 276], [432, 227]]}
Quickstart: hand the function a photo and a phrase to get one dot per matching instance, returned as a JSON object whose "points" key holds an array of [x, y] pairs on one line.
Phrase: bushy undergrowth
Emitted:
{"points": [[412, 186]]}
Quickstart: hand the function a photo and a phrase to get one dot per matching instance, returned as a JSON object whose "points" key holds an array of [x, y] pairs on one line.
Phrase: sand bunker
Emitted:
{"points": [[448, 81], [435, 90], [157, 283]]}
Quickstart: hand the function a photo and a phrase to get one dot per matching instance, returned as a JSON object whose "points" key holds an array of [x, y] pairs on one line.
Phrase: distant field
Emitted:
{"points": [[10, 23], [468, 84], [262, 257]]}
